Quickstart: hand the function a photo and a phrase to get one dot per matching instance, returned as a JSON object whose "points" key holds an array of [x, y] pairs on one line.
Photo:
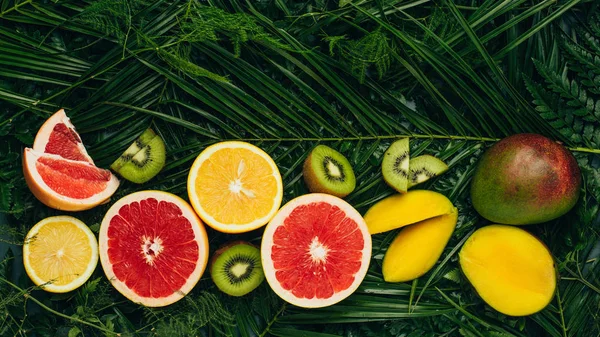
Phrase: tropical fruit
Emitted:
{"points": [[327, 171], [417, 248], [235, 187], [510, 269], [423, 168], [525, 179], [400, 210], [395, 165], [316, 251], [60, 253], [60, 173], [236, 268], [153, 247], [143, 159]]}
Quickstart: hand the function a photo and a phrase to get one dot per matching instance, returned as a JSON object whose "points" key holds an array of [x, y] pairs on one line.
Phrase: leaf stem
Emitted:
{"points": [[266, 330], [15, 7], [43, 306]]}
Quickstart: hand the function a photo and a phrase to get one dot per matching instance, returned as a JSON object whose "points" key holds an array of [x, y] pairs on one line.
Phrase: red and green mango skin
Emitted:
{"points": [[525, 179]]}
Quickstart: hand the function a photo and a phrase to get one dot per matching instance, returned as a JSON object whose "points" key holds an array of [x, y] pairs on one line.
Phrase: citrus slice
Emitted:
{"points": [[316, 251], [153, 247], [235, 187], [58, 136], [66, 184], [60, 253]]}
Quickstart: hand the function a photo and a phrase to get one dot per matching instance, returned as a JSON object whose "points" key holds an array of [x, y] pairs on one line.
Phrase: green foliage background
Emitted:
{"points": [[454, 75]]}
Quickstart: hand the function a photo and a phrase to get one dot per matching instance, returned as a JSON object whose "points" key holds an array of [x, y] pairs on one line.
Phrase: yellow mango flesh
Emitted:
{"points": [[512, 270], [417, 248], [400, 210]]}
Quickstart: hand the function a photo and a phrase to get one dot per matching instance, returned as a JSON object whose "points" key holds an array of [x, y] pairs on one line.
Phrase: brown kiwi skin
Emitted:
{"points": [[312, 180]]}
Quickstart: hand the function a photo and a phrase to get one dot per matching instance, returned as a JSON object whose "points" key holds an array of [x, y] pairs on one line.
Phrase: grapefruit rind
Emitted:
{"points": [[200, 236], [43, 135], [46, 285], [267, 245], [207, 218], [53, 199]]}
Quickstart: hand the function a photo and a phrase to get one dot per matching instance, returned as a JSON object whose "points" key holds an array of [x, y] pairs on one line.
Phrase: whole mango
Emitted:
{"points": [[525, 179]]}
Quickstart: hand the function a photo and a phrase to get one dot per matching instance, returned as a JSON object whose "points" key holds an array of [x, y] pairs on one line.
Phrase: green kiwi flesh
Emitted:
{"points": [[423, 168], [395, 165], [236, 268], [143, 159], [328, 171]]}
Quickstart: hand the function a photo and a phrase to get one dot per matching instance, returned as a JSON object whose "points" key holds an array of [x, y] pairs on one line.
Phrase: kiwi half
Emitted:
{"points": [[236, 268], [395, 165], [143, 159], [328, 171], [423, 168]]}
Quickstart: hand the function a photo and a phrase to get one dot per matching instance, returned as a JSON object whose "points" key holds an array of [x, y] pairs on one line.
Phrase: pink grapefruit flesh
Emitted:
{"points": [[316, 250], [153, 247], [58, 136]]}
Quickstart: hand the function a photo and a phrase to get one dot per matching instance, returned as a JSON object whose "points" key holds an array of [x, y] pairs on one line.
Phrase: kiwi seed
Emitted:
{"points": [[395, 165], [327, 171], [236, 268], [143, 159]]}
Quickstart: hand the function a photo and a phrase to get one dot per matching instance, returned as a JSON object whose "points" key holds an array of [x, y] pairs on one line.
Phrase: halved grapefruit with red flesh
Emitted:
{"points": [[66, 184], [58, 136], [153, 247], [316, 250]]}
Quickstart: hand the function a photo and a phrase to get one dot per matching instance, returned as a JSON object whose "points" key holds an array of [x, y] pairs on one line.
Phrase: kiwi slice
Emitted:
{"points": [[395, 165], [143, 159], [423, 168], [236, 268], [328, 171]]}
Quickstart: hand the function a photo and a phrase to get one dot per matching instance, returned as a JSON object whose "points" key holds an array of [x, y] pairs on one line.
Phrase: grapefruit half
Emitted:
{"points": [[316, 250], [66, 184], [153, 247]]}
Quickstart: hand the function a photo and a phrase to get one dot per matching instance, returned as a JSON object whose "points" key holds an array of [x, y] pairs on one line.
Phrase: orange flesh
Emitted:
{"points": [[236, 186], [510, 269], [60, 252]]}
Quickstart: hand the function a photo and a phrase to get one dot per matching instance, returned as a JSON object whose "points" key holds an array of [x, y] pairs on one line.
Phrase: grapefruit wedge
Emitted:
{"points": [[66, 184], [58, 136], [153, 247], [59, 171], [316, 251]]}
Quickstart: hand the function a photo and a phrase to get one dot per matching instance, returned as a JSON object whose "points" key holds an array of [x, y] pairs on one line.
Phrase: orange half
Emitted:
{"points": [[235, 187]]}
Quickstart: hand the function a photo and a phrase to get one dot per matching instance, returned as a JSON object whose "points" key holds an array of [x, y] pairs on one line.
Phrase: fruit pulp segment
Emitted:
{"points": [[72, 179], [65, 142], [152, 247], [510, 271], [59, 253], [236, 186], [317, 251]]}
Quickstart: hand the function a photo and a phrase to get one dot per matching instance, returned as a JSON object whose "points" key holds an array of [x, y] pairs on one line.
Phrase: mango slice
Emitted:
{"points": [[512, 270], [417, 248], [400, 210]]}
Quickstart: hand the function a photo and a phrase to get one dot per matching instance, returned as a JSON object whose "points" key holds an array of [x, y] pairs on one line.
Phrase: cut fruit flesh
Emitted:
{"points": [[143, 160], [133, 149], [58, 136], [423, 168], [316, 251], [327, 171], [400, 210], [60, 253], [67, 184], [153, 247], [236, 268], [510, 269], [235, 187], [417, 248], [395, 165]]}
